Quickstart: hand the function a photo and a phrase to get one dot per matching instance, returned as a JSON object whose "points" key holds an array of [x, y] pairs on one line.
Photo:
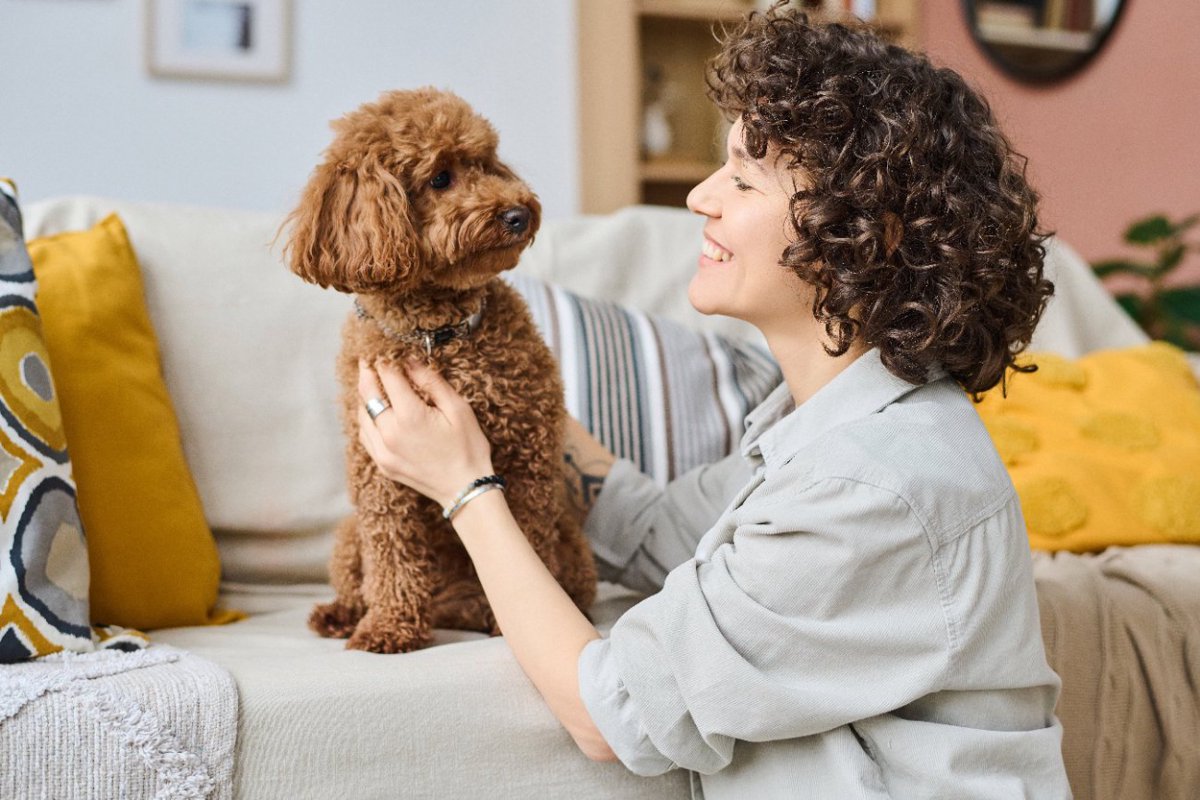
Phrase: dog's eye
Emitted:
{"points": [[441, 180]]}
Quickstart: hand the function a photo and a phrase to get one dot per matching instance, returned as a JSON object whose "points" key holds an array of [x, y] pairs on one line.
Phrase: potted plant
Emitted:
{"points": [[1170, 313]]}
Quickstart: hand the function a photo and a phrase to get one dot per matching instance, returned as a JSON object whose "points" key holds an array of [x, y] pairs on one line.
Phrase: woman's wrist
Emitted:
{"points": [[474, 489], [481, 515]]}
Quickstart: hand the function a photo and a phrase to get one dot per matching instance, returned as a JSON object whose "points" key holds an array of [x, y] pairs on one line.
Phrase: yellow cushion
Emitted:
{"points": [[153, 560], [1103, 450]]}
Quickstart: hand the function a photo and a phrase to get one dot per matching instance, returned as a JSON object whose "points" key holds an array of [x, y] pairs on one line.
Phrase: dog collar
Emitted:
{"points": [[429, 338]]}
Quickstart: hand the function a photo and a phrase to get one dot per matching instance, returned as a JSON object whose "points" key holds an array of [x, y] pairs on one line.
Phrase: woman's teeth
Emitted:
{"points": [[716, 253]]}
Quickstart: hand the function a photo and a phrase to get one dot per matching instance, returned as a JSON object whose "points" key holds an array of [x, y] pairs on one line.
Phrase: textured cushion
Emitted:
{"points": [[43, 555], [661, 395], [1103, 450], [153, 560], [248, 357]]}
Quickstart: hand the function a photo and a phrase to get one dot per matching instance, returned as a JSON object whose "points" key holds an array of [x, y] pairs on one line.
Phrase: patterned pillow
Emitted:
{"points": [[1103, 450], [44, 573], [653, 391]]}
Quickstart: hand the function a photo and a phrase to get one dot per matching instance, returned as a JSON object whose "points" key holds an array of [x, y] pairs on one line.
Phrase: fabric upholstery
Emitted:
{"points": [[1103, 450], [155, 723], [247, 356], [1122, 630], [152, 556], [456, 720], [43, 554], [653, 391]]}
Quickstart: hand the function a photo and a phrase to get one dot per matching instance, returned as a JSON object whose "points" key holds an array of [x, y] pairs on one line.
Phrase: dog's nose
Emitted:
{"points": [[516, 219]]}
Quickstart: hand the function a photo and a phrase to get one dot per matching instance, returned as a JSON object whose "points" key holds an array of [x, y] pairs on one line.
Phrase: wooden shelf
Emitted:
{"points": [[618, 41], [1042, 38], [676, 170], [696, 10]]}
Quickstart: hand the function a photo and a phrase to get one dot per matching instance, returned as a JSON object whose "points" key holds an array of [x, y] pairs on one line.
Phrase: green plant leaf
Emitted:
{"points": [[1133, 305], [1149, 230], [1117, 266], [1185, 223], [1169, 259], [1182, 303]]}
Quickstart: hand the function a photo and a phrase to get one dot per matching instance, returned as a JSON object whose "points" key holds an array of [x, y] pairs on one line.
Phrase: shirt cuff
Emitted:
{"points": [[609, 526], [614, 713]]}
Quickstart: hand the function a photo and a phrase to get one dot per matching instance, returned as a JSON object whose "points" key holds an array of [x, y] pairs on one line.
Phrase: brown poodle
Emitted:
{"points": [[413, 213]]}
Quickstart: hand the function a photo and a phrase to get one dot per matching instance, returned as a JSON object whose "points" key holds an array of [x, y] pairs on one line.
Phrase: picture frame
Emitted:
{"points": [[233, 40]]}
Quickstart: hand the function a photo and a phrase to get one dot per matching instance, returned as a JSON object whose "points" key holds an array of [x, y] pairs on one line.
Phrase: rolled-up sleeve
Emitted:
{"points": [[640, 531], [823, 608]]}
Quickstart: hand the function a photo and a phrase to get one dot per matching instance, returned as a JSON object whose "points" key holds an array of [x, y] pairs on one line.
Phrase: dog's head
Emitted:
{"points": [[411, 195]]}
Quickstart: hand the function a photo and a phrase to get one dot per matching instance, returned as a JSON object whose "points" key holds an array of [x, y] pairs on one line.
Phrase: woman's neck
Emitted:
{"points": [[805, 365]]}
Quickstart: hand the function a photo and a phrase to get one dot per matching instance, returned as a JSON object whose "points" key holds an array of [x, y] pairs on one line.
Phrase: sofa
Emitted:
{"points": [[247, 352]]}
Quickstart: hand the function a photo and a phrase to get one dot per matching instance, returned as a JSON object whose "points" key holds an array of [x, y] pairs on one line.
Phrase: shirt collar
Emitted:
{"points": [[777, 429]]}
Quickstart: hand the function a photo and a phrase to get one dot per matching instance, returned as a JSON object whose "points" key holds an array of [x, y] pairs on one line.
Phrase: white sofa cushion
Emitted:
{"points": [[248, 351], [456, 720]]}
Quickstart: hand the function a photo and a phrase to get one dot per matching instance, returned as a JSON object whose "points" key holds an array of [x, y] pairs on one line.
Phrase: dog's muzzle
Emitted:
{"points": [[516, 219]]}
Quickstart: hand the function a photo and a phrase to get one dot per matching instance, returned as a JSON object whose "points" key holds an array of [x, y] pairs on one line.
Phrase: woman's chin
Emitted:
{"points": [[699, 301]]}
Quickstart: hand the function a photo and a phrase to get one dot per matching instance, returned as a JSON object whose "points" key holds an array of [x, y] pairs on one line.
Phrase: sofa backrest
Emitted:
{"points": [[248, 350]]}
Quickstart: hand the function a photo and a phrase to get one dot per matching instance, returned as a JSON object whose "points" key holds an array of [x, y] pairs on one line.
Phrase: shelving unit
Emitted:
{"points": [[620, 43]]}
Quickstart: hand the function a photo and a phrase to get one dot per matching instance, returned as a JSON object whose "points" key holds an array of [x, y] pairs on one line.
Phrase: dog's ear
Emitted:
{"points": [[352, 229]]}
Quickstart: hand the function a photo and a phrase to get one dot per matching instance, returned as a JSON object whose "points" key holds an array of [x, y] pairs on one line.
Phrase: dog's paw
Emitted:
{"points": [[378, 635], [334, 620]]}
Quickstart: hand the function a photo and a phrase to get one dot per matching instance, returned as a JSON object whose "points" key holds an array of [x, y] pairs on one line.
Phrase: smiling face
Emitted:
{"points": [[746, 202]]}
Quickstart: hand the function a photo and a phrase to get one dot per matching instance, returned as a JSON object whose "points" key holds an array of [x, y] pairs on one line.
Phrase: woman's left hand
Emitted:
{"points": [[435, 447]]}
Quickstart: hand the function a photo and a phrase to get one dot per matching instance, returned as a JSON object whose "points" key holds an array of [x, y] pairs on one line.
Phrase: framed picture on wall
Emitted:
{"points": [[240, 40]]}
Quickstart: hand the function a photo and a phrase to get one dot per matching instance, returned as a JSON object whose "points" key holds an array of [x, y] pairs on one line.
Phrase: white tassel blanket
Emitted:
{"points": [[155, 723]]}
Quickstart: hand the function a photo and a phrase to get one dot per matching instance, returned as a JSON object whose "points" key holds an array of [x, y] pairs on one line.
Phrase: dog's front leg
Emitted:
{"points": [[396, 585], [339, 618]]}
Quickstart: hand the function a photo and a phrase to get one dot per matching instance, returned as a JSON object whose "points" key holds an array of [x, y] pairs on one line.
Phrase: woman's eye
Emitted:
{"points": [[441, 180], [741, 185]]}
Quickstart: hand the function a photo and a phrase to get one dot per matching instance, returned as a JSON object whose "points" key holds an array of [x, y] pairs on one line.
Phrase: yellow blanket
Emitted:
{"points": [[1103, 450]]}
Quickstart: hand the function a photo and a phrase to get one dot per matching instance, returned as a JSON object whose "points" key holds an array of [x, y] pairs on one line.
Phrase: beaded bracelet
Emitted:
{"points": [[473, 490]]}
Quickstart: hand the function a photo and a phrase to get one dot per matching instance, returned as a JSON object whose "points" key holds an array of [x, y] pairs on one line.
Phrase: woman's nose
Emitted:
{"points": [[701, 199]]}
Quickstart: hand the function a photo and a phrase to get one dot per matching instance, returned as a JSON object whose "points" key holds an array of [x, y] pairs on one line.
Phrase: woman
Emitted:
{"points": [[845, 607]]}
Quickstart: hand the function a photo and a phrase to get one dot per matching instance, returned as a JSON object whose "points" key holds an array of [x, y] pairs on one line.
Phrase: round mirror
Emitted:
{"points": [[1041, 40]]}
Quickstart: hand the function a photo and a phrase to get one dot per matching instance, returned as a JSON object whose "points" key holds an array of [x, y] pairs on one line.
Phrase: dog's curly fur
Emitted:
{"points": [[413, 212]]}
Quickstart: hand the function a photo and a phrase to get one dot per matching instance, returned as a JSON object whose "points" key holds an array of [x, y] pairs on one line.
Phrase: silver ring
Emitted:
{"points": [[376, 406]]}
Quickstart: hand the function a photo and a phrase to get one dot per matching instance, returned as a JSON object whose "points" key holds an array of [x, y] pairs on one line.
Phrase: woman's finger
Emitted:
{"points": [[433, 384], [368, 383], [399, 391], [368, 435]]}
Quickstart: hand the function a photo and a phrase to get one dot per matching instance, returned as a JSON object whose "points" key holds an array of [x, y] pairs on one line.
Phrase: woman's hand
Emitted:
{"points": [[434, 445]]}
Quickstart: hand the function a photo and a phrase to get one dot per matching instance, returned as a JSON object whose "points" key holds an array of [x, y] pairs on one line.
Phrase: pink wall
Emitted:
{"points": [[1119, 140]]}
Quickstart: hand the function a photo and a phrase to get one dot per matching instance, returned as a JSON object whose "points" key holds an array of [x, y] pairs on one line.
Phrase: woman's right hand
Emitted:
{"points": [[586, 463]]}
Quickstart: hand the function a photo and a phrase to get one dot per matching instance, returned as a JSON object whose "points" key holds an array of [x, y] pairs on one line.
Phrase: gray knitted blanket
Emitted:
{"points": [[156, 723]]}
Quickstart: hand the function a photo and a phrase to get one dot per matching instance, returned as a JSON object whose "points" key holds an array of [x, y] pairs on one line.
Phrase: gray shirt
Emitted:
{"points": [[859, 621]]}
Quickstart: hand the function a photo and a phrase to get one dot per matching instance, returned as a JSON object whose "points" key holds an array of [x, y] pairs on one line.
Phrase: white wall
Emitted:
{"points": [[80, 114]]}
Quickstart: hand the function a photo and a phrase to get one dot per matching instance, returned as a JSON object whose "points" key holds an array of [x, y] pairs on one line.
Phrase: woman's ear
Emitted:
{"points": [[351, 230]]}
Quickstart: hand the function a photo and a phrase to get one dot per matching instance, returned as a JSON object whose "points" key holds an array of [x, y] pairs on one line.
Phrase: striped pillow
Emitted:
{"points": [[653, 391]]}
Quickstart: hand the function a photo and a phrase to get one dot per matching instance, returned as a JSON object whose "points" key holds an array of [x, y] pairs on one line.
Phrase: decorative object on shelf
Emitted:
{"points": [[625, 158], [657, 137], [240, 40], [1167, 312], [1039, 41]]}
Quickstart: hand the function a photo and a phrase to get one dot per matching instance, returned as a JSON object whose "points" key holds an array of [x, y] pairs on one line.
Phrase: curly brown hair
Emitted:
{"points": [[916, 224]]}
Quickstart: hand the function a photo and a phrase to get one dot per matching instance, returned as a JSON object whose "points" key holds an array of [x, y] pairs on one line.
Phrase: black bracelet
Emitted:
{"points": [[470, 492]]}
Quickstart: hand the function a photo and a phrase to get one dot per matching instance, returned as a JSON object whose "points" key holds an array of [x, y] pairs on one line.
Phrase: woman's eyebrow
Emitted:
{"points": [[744, 157]]}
